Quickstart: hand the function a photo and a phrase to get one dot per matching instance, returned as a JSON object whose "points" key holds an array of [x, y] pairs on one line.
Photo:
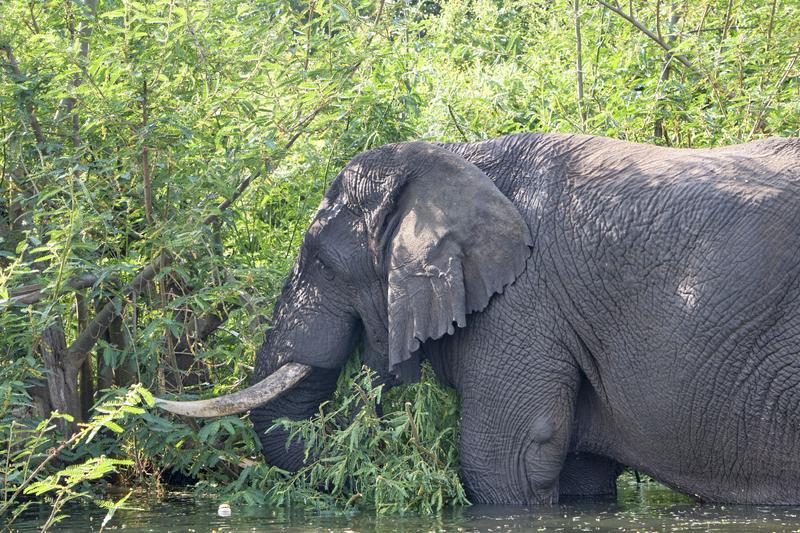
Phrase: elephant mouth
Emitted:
{"points": [[266, 390]]}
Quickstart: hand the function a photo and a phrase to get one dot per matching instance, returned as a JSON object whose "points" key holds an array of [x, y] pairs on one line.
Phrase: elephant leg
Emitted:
{"points": [[588, 476], [515, 432]]}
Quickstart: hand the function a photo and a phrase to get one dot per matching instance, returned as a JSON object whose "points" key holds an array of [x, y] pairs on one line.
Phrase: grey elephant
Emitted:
{"points": [[594, 302]]}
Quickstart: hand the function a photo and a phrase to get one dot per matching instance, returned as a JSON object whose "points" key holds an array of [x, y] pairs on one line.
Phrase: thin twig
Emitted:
{"points": [[639, 26], [658, 20], [658, 128], [34, 25], [728, 20], [703, 17], [416, 440], [680, 57], [758, 122], [771, 25], [146, 179], [455, 121], [579, 64], [375, 22], [720, 28]]}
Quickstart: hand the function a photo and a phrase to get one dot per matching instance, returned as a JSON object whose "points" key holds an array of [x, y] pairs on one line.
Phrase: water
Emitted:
{"points": [[646, 507]]}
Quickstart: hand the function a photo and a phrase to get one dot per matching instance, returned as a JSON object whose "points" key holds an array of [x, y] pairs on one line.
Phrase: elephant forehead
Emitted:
{"points": [[335, 235], [368, 177], [326, 212]]}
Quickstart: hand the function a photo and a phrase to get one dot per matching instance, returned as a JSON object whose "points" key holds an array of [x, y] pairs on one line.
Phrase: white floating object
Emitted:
{"points": [[224, 510]]}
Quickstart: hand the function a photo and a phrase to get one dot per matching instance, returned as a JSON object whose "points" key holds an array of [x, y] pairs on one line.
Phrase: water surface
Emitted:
{"points": [[644, 507]]}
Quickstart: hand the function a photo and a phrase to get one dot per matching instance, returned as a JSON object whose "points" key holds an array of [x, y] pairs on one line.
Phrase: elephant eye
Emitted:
{"points": [[325, 269]]}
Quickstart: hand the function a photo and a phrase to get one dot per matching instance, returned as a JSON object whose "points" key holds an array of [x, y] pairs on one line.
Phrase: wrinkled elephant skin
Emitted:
{"points": [[592, 301]]}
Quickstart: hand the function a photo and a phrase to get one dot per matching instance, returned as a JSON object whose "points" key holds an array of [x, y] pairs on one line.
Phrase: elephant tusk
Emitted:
{"points": [[262, 392]]}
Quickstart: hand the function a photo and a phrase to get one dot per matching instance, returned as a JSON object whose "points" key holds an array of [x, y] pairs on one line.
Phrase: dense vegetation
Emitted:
{"points": [[159, 160]]}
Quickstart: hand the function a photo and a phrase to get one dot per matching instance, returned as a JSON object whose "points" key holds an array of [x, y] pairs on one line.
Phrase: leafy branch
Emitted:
{"points": [[108, 416]]}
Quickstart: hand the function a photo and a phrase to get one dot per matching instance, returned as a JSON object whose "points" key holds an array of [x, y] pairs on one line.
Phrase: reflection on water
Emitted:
{"points": [[645, 507]]}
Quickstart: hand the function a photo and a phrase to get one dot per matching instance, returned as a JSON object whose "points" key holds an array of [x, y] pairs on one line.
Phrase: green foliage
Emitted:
{"points": [[403, 460], [127, 125], [35, 466]]}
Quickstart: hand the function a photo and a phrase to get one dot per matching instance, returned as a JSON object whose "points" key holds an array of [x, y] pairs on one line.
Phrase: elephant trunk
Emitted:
{"points": [[301, 403]]}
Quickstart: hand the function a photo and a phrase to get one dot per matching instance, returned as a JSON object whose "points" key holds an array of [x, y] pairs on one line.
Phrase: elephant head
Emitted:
{"points": [[408, 241]]}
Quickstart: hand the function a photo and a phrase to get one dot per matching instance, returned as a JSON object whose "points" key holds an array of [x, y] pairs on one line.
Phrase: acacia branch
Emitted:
{"points": [[642, 28], [759, 122], [669, 49], [31, 294], [80, 347]]}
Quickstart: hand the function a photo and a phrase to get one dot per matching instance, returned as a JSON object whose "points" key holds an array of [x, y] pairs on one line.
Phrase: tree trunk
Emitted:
{"points": [[126, 373], [105, 372], [62, 378], [86, 378]]}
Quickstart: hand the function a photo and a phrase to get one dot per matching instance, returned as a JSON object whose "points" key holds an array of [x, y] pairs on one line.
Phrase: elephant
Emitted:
{"points": [[594, 302]]}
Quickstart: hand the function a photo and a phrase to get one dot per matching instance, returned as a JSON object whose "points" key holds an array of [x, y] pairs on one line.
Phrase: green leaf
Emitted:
{"points": [[113, 426]]}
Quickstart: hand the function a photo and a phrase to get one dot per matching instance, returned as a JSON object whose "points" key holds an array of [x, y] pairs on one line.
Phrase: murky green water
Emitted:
{"points": [[646, 507]]}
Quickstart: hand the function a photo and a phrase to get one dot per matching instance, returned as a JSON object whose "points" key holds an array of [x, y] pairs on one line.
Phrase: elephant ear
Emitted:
{"points": [[450, 240]]}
